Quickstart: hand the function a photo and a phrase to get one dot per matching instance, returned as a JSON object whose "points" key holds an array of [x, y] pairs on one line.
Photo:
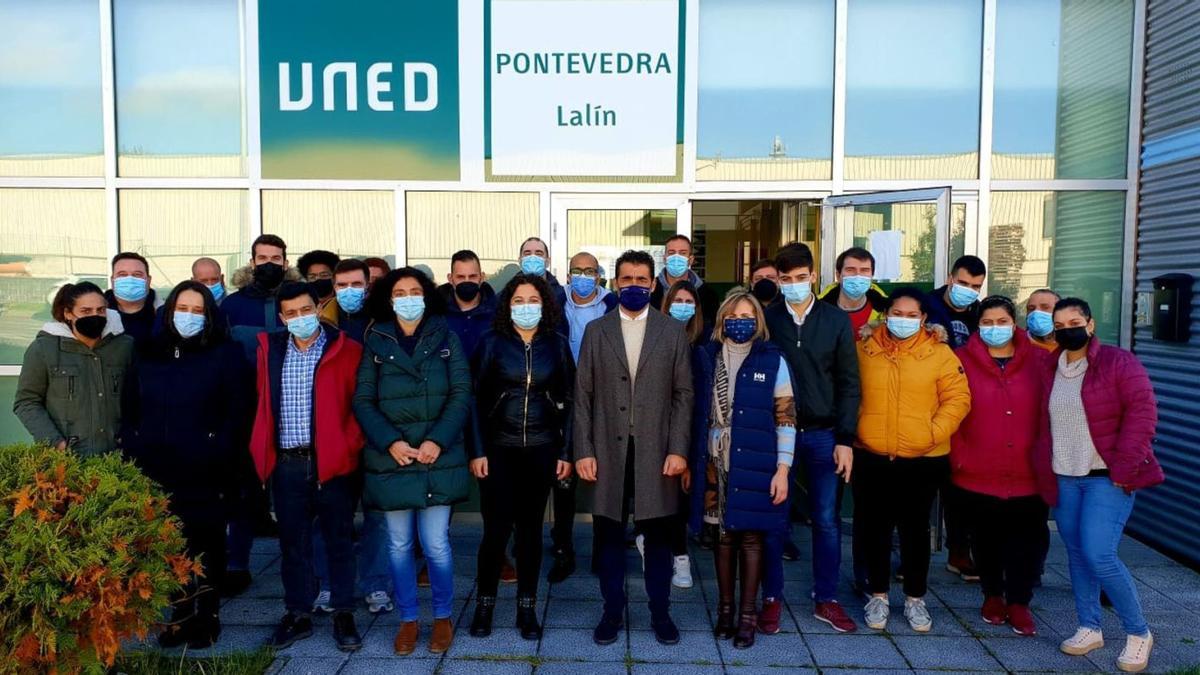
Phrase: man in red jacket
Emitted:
{"points": [[307, 442]]}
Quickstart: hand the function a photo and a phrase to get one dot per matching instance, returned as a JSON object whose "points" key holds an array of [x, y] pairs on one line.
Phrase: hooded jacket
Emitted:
{"points": [[577, 315], [252, 309]]}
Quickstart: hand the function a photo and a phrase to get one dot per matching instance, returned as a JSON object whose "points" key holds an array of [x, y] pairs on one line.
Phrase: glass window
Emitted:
{"points": [[11, 429], [912, 88], [730, 236], [915, 240], [492, 224], [179, 87], [1072, 242], [351, 223], [48, 237], [1062, 88], [607, 233], [50, 89], [172, 228], [766, 90]]}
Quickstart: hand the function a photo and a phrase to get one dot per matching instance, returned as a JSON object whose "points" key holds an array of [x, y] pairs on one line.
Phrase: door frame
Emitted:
{"points": [[560, 203]]}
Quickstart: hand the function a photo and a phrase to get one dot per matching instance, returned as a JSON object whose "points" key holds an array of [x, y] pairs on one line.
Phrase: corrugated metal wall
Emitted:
{"points": [[1169, 241]]}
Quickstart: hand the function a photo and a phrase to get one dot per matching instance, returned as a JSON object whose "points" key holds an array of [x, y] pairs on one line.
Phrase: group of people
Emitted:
{"points": [[342, 381]]}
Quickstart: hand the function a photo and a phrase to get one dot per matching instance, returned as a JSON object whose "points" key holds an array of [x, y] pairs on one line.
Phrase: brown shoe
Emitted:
{"points": [[443, 635], [508, 573], [406, 638]]}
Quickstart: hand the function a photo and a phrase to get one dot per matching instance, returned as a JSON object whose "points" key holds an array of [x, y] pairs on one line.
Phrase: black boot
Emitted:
{"points": [[725, 628], [206, 624], [747, 627], [345, 633], [481, 624], [563, 567], [527, 621], [178, 630]]}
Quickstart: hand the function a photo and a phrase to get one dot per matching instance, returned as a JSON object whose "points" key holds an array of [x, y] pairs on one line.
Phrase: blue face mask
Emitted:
{"points": [[683, 311], [533, 265], [796, 292], [130, 289], [634, 298], [855, 287], [1039, 323], [961, 296], [740, 330], [996, 336], [188, 324], [409, 308], [526, 316], [303, 327], [217, 290], [677, 265], [351, 299], [583, 286], [902, 327]]}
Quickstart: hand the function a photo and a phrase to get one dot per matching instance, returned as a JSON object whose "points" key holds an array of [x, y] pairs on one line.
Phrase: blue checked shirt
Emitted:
{"points": [[295, 405]]}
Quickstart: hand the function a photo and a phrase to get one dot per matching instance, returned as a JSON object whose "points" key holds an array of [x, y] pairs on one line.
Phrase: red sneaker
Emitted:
{"points": [[833, 614], [994, 611], [1021, 620], [768, 617]]}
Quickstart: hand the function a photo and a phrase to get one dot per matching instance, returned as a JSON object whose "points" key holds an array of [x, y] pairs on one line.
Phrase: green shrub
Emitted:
{"points": [[89, 557]]}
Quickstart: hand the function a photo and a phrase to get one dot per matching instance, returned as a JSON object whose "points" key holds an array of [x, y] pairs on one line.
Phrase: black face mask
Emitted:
{"points": [[91, 327], [765, 290], [1072, 339], [322, 287], [268, 275], [466, 291]]}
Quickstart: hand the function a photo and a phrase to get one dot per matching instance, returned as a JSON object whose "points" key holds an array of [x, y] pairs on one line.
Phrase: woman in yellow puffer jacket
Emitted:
{"points": [[914, 395]]}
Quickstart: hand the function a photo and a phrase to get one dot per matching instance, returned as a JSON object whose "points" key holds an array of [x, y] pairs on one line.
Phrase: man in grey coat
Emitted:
{"points": [[633, 416]]}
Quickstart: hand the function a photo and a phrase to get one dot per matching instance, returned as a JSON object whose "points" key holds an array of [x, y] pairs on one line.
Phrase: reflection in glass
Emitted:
{"points": [[51, 123], [607, 233], [765, 107], [351, 223], [1071, 242], [179, 87], [730, 236], [11, 429], [912, 88], [903, 239], [492, 224], [48, 237], [1062, 88]]}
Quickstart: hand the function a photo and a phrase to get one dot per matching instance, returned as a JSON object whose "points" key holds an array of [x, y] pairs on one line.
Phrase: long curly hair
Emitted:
{"points": [[379, 300], [550, 310]]}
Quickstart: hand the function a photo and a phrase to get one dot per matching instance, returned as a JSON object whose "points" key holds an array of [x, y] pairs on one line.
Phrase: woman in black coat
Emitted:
{"points": [[524, 382], [182, 408]]}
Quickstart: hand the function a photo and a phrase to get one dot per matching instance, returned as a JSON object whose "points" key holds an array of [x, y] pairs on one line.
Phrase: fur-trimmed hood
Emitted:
{"points": [[112, 327], [244, 276]]}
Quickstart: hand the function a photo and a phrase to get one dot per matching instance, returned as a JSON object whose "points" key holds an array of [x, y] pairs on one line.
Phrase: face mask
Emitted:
{"points": [[995, 336], [1072, 339], [526, 316], [217, 290], [409, 308], [322, 287], [683, 311], [740, 330], [268, 275], [188, 324], [677, 265], [466, 290], [303, 327], [855, 287], [796, 292], [130, 289], [351, 298], [91, 327], [634, 298], [583, 286], [902, 327], [961, 296], [765, 290], [1039, 323], [533, 265]]}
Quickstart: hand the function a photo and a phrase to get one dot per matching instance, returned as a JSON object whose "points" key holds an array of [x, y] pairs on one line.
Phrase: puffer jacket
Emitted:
{"points": [[914, 393], [992, 451], [420, 397], [1122, 414], [252, 309], [524, 391]]}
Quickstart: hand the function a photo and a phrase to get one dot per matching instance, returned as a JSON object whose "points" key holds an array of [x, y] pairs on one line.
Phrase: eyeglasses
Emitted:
{"points": [[584, 272], [318, 276]]}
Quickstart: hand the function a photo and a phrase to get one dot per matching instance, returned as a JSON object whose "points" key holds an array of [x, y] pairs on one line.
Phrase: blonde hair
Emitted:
{"points": [[736, 295]]}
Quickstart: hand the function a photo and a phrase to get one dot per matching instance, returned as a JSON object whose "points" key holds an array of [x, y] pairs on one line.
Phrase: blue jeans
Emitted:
{"points": [[374, 573], [433, 523], [1091, 516], [815, 449]]}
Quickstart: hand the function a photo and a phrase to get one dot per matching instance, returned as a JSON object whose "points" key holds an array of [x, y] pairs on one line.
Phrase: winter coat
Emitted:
{"points": [[470, 325], [336, 437], [252, 309], [68, 392], [418, 397], [992, 451], [914, 393], [523, 392], [353, 325], [140, 325], [958, 325], [1122, 415], [707, 298]]}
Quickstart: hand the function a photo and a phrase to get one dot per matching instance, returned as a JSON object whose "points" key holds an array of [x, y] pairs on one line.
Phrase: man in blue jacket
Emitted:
{"points": [[470, 300]]}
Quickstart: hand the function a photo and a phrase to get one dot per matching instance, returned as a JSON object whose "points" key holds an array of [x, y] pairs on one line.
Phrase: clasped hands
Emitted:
{"points": [[405, 454]]}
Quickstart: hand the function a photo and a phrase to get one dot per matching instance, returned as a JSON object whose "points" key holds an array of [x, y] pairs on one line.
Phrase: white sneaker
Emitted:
{"points": [[640, 542], [1083, 641], [1136, 655], [321, 604], [378, 602], [682, 578], [876, 613], [917, 614]]}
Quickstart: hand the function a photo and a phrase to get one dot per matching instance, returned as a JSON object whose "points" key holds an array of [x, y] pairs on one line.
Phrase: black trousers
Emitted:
{"points": [[890, 495], [562, 534], [204, 534], [513, 500], [958, 526], [1006, 541]]}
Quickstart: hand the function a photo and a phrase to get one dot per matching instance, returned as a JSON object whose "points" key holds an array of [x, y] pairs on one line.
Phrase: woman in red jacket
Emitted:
{"points": [[991, 461]]}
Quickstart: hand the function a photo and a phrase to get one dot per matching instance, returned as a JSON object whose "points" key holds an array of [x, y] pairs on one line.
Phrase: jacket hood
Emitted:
{"points": [[112, 327], [601, 293], [244, 276], [876, 338]]}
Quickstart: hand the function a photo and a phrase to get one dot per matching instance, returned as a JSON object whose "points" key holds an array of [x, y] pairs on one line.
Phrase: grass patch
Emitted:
{"points": [[157, 663]]}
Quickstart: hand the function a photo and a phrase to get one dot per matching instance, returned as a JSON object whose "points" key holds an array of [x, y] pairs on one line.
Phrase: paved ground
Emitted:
{"points": [[959, 642]]}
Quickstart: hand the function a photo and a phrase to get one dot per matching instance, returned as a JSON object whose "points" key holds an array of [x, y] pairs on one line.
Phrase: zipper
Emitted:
{"points": [[528, 383]]}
